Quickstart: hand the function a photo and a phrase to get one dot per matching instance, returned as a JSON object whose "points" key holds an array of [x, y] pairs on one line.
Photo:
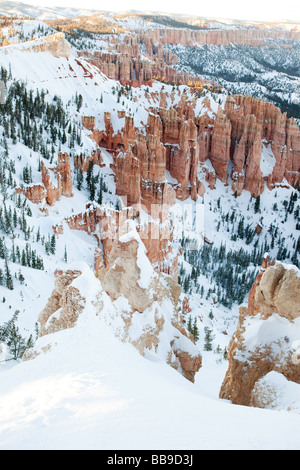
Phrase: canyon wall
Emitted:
{"points": [[139, 57], [199, 148], [253, 37]]}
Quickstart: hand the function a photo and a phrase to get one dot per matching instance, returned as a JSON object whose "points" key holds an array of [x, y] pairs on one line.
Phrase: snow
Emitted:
{"points": [[273, 331], [92, 391], [291, 267], [143, 262], [136, 23], [268, 160], [279, 393]]}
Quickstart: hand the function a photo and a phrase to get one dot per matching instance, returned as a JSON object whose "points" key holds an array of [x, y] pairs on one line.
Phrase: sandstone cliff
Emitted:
{"points": [[56, 44], [267, 336], [108, 225], [56, 182], [141, 57], [196, 148], [254, 37]]}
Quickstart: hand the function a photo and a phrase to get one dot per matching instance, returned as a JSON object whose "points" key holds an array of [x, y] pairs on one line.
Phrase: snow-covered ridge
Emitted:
{"points": [[49, 63], [55, 43]]}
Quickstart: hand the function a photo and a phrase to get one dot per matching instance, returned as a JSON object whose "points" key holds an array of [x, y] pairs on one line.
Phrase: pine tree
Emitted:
{"points": [[89, 173], [16, 344], [52, 245], [257, 205], [208, 339], [2, 249], [10, 335], [195, 330], [92, 188], [79, 179], [189, 325], [79, 102], [241, 228], [65, 255], [100, 196], [8, 277]]}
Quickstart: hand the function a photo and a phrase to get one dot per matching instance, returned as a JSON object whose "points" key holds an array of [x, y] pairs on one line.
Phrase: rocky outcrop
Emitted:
{"points": [[139, 304], [88, 122], [82, 162], [56, 182], [63, 179], [56, 44], [139, 58], [220, 145], [134, 70], [267, 334], [64, 305], [275, 392], [233, 134], [108, 225], [35, 193], [253, 120]]}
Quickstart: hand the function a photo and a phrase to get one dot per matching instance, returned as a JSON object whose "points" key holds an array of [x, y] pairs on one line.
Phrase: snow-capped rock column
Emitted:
{"points": [[266, 333]]}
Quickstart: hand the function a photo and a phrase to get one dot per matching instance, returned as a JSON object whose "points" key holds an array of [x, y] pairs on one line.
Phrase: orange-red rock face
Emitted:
{"points": [[252, 121], [48, 191], [124, 60], [235, 134], [108, 225], [82, 163], [220, 145], [35, 193], [63, 175], [128, 177], [177, 140], [274, 296]]}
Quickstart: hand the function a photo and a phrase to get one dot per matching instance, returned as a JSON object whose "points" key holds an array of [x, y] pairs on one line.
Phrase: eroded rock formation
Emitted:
{"points": [[64, 305], [266, 336], [140, 57], [198, 148], [56, 44], [139, 304], [56, 182], [109, 225], [63, 176], [35, 193], [253, 37], [253, 121]]}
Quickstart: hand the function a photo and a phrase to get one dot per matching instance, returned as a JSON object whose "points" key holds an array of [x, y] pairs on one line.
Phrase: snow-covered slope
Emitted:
{"points": [[93, 392]]}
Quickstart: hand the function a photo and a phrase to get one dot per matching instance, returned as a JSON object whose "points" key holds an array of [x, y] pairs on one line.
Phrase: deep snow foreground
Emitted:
{"points": [[91, 391]]}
